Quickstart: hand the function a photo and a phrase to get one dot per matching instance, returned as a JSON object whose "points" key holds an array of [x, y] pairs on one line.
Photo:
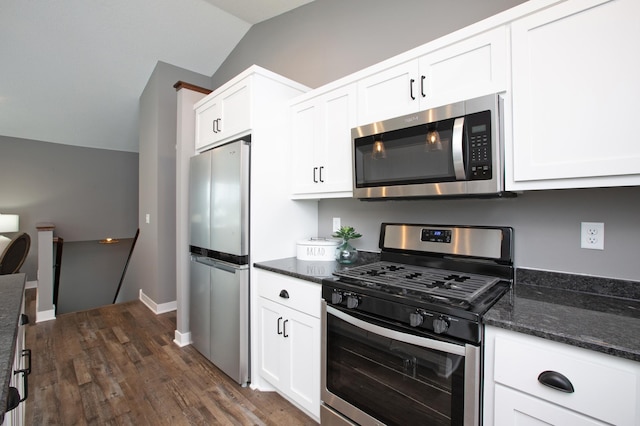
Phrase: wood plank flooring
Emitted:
{"points": [[118, 365]]}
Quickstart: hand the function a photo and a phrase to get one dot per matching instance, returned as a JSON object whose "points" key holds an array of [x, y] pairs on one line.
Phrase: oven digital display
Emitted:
{"points": [[436, 235]]}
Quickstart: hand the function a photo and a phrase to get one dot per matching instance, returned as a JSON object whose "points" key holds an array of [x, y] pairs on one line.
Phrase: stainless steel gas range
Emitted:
{"points": [[402, 337]]}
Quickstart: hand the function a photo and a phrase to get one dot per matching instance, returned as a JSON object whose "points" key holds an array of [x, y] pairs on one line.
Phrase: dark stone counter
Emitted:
{"points": [[313, 271], [11, 294], [593, 313]]}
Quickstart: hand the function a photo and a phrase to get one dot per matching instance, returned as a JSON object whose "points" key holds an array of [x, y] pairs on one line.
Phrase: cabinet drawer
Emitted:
{"points": [[304, 296], [605, 387]]}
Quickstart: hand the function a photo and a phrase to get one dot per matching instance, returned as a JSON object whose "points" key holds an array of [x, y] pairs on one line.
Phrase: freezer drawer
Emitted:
{"points": [[219, 315]]}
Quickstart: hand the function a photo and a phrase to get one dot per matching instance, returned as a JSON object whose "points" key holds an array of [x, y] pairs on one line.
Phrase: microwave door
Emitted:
{"points": [[457, 148]]}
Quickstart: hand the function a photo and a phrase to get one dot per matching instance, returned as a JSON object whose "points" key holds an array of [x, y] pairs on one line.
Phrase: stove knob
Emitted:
{"points": [[336, 298], [352, 302], [415, 319], [440, 325]]}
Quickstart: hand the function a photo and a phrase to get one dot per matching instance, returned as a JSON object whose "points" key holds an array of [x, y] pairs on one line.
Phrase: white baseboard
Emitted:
{"points": [[182, 339], [31, 284], [42, 316], [47, 315], [157, 309]]}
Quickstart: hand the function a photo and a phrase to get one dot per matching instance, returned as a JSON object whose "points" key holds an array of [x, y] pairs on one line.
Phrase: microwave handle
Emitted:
{"points": [[457, 149]]}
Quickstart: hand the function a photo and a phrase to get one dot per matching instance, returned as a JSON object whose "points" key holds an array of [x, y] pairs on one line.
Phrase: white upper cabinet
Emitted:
{"points": [[321, 144], [575, 96], [469, 68], [241, 106], [225, 115]]}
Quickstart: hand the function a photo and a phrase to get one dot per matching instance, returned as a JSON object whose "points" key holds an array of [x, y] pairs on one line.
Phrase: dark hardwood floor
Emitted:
{"points": [[118, 365]]}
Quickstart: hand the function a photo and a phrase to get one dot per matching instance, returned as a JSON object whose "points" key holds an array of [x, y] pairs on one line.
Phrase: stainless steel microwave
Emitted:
{"points": [[451, 151]]}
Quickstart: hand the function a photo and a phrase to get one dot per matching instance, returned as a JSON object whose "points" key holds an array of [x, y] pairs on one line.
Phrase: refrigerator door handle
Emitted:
{"points": [[227, 267]]}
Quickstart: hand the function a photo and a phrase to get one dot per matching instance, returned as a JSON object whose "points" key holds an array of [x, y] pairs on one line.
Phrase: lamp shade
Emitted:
{"points": [[9, 223]]}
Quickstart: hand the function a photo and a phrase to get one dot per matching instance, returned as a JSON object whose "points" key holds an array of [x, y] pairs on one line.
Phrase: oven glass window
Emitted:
{"points": [[418, 154], [395, 382]]}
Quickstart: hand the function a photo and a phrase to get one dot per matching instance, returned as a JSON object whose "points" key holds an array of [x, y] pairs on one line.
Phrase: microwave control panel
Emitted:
{"points": [[478, 130]]}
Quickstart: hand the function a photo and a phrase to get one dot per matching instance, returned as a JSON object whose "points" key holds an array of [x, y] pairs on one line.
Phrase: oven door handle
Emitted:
{"points": [[399, 336]]}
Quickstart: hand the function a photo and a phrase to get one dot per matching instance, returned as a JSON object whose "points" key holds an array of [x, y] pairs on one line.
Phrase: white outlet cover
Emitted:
{"points": [[336, 224], [592, 235]]}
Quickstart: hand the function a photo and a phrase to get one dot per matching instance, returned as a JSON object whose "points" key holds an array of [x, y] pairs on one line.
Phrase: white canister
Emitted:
{"points": [[322, 249]]}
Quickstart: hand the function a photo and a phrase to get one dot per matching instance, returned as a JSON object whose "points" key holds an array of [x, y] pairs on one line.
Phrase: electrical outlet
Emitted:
{"points": [[592, 235], [336, 224]]}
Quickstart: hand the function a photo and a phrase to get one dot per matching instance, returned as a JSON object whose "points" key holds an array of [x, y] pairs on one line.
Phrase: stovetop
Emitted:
{"points": [[419, 282], [435, 279]]}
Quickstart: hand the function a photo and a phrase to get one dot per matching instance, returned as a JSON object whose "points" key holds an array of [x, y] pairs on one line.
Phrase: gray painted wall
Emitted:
{"points": [[546, 224], [88, 193], [153, 263], [328, 39]]}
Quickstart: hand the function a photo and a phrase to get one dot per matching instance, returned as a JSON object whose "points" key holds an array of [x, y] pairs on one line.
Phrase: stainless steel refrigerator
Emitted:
{"points": [[219, 245]]}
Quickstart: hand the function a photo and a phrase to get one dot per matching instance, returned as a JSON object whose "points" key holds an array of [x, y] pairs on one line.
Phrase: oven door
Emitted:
{"points": [[377, 374]]}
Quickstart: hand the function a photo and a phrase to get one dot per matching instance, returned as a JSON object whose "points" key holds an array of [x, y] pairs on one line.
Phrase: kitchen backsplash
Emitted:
{"points": [[546, 224]]}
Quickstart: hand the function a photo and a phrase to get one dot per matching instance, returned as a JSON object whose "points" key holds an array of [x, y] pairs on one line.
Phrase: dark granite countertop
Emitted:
{"points": [[589, 312], [11, 294], [594, 313], [313, 271]]}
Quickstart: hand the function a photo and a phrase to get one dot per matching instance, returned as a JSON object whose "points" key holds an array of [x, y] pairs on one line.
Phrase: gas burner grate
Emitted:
{"points": [[418, 280]]}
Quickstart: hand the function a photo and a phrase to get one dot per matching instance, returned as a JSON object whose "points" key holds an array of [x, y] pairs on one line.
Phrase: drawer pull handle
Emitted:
{"points": [[556, 381], [284, 294]]}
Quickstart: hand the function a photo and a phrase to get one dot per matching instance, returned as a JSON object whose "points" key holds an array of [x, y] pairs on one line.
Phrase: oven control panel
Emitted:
{"points": [[412, 317], [436, 235]]}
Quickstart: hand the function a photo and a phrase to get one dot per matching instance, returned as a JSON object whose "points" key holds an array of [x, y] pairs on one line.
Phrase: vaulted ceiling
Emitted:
{"points": [[72, 71]]}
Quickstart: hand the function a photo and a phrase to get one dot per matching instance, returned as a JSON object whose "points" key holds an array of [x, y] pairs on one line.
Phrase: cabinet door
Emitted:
{"points": [[207, 123], [390, 93], [290, 353], [301, 333], [235, 118], [305, 137], [271, 342], [474, 67], [516, 408], [575, 93], [225, 116], [336, 156], [321, 145]]}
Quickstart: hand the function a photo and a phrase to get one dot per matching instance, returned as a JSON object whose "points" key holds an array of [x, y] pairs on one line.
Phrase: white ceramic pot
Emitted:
{"points": [[322, 249]]}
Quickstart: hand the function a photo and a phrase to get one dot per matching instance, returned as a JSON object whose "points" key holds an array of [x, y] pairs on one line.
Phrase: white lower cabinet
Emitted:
{"points": [[603, 389], [517, 408], [289, 338], [21, 367]]}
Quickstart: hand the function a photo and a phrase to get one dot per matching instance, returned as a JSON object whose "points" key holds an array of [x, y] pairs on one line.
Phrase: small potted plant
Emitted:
{"points": [[345, 252]]}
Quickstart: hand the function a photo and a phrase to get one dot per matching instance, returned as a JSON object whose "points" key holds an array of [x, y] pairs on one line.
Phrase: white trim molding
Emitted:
{"points": [[157, 309], [182, 339]]}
